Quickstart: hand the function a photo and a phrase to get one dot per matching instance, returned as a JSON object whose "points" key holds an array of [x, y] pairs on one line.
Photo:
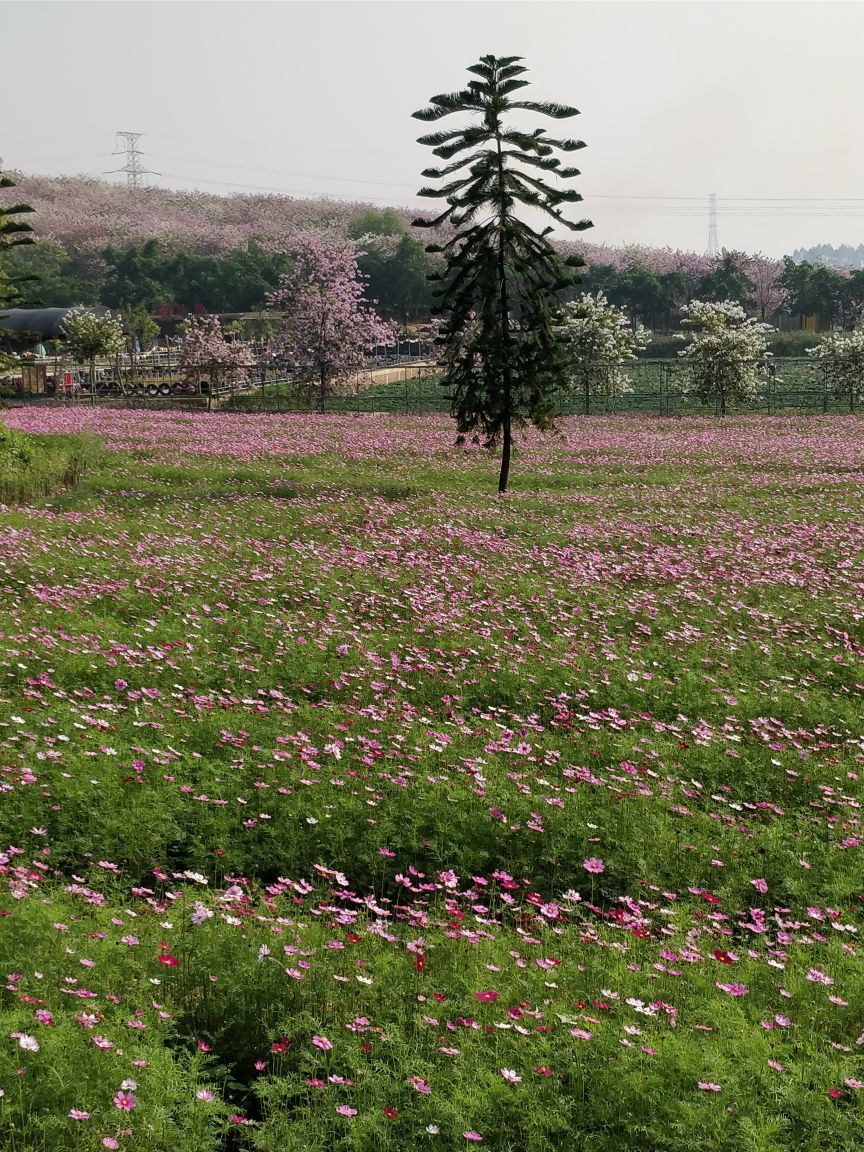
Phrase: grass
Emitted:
{"points": [[34, 467], [348, 807]]}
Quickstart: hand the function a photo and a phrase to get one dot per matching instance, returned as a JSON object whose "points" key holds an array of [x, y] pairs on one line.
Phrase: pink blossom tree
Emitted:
{"points": [[327, 326], [207, 352], [768, 291]]}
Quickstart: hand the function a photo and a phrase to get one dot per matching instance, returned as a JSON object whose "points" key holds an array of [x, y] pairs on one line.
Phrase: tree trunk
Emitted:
{"points": [[505, 458], [504, 319], [322, 391]]}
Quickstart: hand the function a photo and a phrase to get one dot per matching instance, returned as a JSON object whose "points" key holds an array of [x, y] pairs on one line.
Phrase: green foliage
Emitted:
{"points": [[728, 280], [14, 234], [151, 274], [378, 222], [32, 467], [791, 343], [59, 280], [502, 356], [397, 272], [816, 289], [138, 322]]}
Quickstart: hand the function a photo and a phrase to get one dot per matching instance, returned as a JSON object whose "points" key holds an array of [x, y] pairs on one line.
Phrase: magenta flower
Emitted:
{"points": [[322, 1042], [593, 865], [125, 1101], [345, 1110], [420, 1085], [776, 1065], [581, 1033], [760, 885], [705, 1087], [475, 1137], [78, 1114]]}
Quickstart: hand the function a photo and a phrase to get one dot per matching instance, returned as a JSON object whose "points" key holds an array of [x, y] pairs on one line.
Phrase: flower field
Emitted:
{"points": [[346, 806]]}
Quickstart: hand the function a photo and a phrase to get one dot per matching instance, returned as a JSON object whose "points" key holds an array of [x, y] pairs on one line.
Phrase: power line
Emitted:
{"points": [[284, 172], [304, 192]]}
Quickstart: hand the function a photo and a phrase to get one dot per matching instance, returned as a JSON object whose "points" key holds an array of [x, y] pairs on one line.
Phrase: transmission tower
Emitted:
{"points": [[713, 245], [134, 166]]}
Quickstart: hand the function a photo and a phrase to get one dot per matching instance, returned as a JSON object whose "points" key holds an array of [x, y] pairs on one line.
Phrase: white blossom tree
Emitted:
{"points": [[840, 356], [90, 337], [600, 340], [727, 357]]}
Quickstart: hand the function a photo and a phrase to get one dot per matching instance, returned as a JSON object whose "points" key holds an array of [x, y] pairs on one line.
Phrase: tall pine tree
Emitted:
{"points": [[503, 357], [13, 232]]}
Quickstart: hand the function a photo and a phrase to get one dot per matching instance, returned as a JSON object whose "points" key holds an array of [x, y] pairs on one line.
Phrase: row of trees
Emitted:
{"points": [[651, 285]]}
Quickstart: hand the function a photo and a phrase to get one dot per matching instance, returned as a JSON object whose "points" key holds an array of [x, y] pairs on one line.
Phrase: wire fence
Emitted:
{"points": [[650, 387], [653, 387]]}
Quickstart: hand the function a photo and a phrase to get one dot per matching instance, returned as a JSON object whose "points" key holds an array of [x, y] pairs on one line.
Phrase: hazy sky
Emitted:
{"points": [[758, 102]]}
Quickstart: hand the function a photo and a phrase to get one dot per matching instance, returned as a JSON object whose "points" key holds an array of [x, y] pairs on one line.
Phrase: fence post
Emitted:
{"points": [[772, 374]]}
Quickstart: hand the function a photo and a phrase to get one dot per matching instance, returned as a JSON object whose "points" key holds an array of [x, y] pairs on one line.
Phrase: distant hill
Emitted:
{"points": [[843, 256], [85, 216]]}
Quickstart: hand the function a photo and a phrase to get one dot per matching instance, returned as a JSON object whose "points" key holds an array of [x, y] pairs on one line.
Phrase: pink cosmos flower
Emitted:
{"points": [[475, 1137], [204, 1094], [760, 885], [705, 1087], [420, 1085], [817, 977], [109, 1142], [510, 1076], [851, 1082], [125, 1101], [777, 1066], [78, 1114], [345, 1110], [593, 865], [581, 1033], [322, 1042], [487, 997]]}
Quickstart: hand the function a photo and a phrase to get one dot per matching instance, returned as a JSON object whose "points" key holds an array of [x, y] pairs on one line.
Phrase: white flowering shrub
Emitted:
{"points": [[727, 357], [600, 340], [840, 356], [90, 336]]}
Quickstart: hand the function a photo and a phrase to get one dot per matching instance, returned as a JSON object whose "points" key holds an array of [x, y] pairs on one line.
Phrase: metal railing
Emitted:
{"points": [[652, 387]]}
